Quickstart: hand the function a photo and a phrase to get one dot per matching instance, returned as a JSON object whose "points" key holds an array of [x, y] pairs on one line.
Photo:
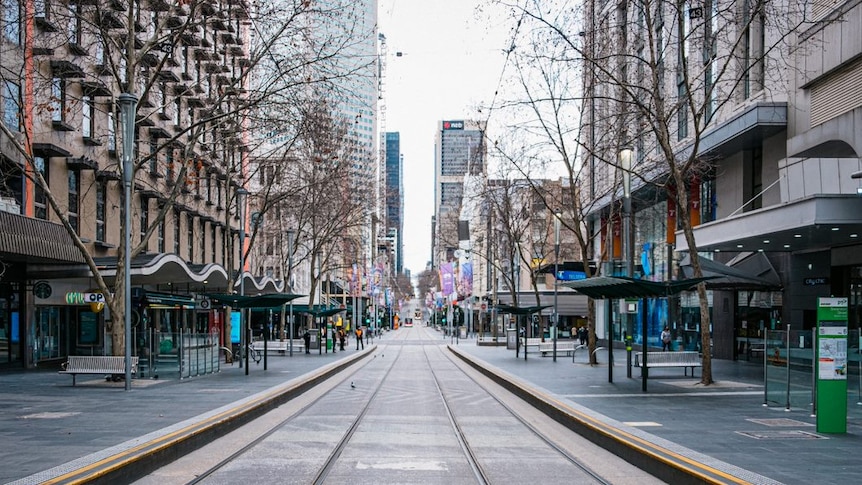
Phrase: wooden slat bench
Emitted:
{"points": [[281, 346], [670, 359], [563, 347], [96, 364]]}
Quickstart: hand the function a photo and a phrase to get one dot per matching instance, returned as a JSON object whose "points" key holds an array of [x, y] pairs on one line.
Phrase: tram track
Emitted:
{"points": [[443, 394]]}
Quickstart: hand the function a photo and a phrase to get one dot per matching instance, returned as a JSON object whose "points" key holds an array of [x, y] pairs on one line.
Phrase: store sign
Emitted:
{"points": [[571, 275], [823, 280]]}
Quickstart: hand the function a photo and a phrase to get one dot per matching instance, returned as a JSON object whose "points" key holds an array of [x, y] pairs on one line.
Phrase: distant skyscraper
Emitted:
{"points": [[459, 150], [394, 195]]}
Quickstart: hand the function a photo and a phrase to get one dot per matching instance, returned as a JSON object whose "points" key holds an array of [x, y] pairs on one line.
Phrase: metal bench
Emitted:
{"points": [[563, 346], [280, 346], [670, 359], [96, 364], [531, 343]]}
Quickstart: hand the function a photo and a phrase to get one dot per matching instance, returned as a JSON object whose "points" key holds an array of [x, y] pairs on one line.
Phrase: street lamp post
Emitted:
{"points": [[625, 158], [291, 235], [128, 104], [556, 329], [241, 194]]}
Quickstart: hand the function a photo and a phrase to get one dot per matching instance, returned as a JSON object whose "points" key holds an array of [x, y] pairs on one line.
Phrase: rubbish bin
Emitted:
{"points": [[511, 338]]}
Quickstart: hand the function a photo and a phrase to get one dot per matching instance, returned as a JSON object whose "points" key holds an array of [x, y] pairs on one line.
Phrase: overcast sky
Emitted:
{"points": [[451, 62]]}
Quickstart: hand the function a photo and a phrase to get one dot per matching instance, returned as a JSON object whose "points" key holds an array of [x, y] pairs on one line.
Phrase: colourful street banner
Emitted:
{"points": [[447, 279], [465, 285]]}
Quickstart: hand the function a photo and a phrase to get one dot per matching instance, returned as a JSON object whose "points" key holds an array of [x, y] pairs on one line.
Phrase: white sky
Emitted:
{"points": [[452, 60]]}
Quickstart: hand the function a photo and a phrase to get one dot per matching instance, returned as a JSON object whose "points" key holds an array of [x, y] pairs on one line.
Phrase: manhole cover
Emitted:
{"points": [[779, 422], [782, 435]]}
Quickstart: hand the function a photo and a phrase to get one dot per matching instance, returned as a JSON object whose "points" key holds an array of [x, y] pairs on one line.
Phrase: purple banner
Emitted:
{"points": [[447, 279]]}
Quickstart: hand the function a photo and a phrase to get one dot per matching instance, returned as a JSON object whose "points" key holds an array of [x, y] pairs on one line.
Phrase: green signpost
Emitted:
{"points": [[832, 365]]}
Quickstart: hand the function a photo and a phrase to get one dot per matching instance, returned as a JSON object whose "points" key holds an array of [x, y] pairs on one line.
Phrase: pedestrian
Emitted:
{"points": [[582, 335], [342, 336], [359, 338], [665, 339], [306, 337]]}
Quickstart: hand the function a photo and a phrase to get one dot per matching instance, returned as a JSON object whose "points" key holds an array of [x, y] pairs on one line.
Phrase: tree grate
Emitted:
{"points": [[782, 435], [776, 422]]}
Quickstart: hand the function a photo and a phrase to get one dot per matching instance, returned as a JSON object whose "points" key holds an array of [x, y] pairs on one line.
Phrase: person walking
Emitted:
{"points": [[582, 335], [665, 339], [306, 338], [342, 336]]}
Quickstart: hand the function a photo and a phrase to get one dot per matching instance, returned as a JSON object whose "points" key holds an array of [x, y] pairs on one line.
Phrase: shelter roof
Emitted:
{"points": [[610, 287]]}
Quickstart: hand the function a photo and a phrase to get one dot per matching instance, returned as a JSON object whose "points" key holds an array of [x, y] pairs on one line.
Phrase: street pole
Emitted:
{"points": [[625, 158], [128, 104], [556, 327], [291, 234], [243, 337]]}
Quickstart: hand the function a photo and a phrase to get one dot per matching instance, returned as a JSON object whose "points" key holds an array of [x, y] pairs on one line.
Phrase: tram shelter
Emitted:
{"points": [[620, 287]]}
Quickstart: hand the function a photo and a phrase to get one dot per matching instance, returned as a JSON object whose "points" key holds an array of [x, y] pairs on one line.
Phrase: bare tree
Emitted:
{"points": [[657, 75], [200, 95]]}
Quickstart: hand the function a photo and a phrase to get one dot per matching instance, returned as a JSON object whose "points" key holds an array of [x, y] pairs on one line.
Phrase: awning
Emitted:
{"points": [[34, 240], [517, 310], [607, 287], [752, 271], [256, 301], [822, 221], [168, 300]]}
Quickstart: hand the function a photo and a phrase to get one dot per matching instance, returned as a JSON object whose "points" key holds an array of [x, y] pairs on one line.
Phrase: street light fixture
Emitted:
{"points": [[128, 104], [241, 194], [625, 158], [557, 215]]}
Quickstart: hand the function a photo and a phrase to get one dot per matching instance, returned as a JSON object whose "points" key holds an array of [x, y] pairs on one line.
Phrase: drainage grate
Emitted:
{"points": [[782, 435], [779, 422]]}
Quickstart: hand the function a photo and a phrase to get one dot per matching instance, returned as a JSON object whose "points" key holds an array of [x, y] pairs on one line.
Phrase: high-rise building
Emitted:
{"points": [[394, 196], [459, 152]]}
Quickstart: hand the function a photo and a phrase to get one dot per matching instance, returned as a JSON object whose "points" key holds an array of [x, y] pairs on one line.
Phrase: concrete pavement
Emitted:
{"points": [[48, 426]]}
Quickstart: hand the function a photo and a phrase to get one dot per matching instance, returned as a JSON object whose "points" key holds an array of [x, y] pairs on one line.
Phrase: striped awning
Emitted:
{"points": [[35, 240]]}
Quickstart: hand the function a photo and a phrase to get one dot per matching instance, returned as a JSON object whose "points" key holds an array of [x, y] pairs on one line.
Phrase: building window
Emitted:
{"points": [[213, 243], [154, 156], [161, 233], [178, 106], [101, 203], [203, 240], [12, 21], [169, 162], [756, 179], [39, 199], [177, 232], [87, 124], [112, 131], [145, 216], [708, 201], [190, 234], [682, 111], [74, 26], [162, 99], [11, 105], [219, 193], [209, 181], [74, 191], [58, 99]]}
